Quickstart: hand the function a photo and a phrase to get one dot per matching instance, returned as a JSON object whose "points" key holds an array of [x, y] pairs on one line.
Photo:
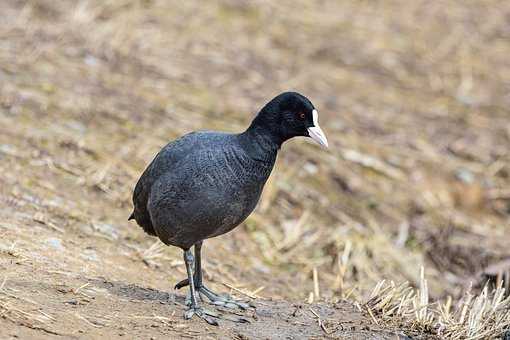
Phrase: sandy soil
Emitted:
{"points": [[107, 309]]}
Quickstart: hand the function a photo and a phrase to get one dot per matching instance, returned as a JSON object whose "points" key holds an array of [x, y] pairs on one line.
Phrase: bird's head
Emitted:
{"points": [[291, 114]]}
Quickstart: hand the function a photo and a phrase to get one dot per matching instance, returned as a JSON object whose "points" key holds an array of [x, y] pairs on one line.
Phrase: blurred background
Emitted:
{"points": [[414, 97]]}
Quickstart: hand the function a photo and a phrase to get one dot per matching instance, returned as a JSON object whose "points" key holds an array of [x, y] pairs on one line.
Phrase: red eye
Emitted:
{"points": [[302, 115]]}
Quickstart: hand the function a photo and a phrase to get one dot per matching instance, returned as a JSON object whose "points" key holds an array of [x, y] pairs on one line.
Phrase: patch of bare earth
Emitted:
{"points": [[45, 294]]}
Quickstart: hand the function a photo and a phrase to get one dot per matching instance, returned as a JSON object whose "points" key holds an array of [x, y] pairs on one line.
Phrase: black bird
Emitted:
{"points": [[205, 184]]}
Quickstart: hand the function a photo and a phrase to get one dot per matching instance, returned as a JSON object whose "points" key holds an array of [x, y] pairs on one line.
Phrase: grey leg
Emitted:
{"points": [[194, 308], [197, 276], [216, 299], [188, 261]]}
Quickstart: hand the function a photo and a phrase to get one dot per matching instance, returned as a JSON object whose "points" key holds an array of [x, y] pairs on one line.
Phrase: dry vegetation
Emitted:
{"points": [[414, 98], [480, 316]]}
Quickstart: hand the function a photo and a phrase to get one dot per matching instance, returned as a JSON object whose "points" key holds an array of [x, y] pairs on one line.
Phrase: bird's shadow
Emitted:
{"points": [[135, 292]]}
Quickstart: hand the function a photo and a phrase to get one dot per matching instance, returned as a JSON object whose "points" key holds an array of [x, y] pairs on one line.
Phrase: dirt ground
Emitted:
{"points": [[413, 96], [54, 297]]}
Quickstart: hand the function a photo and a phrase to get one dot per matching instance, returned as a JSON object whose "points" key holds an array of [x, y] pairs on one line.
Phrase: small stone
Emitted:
{"points": [[55, 243]]}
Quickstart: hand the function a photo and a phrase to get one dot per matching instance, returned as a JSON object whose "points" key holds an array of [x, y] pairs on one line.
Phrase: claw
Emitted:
{"points": [[182, 283], [201, 313], [244, 305], [189, 314], [239, 320]]}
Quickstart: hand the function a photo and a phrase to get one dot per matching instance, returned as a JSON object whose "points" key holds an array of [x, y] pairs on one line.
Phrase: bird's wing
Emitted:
{"points": [[164, 161]]}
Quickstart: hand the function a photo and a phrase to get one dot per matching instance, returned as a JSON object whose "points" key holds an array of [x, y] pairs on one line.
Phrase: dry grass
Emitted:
{"points": [[484, 315], [413, 96]]}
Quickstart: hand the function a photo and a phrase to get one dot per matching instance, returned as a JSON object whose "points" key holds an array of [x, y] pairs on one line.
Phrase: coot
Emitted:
{"points": [[204, 184]]}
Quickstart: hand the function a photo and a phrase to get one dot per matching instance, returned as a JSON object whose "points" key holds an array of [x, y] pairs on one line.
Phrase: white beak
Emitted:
{"points": [[316, 132]]}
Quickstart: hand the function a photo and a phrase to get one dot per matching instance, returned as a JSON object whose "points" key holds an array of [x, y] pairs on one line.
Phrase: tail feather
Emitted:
{"points": [[144, 221]]}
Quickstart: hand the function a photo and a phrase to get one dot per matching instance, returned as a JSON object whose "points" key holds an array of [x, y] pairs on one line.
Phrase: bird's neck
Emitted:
{"points": [[260, 142]]}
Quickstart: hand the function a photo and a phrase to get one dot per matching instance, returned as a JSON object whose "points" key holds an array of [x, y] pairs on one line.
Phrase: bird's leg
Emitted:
{"points": [[197, 275], [220, 300], [194, 308]]}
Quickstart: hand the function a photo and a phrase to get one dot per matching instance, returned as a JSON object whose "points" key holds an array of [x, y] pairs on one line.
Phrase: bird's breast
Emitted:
{"points": [[228, 188]]}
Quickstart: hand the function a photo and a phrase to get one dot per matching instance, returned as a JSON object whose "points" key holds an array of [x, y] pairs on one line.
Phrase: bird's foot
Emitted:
{"points": [[211, 316], [202, 313], [223, 300]]}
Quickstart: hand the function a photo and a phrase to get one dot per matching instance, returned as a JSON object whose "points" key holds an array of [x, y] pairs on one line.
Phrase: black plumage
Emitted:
{"points": [[204, 184]]}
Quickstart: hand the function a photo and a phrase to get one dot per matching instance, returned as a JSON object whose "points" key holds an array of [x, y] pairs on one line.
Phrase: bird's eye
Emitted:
{"points": [[302, 115]]}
